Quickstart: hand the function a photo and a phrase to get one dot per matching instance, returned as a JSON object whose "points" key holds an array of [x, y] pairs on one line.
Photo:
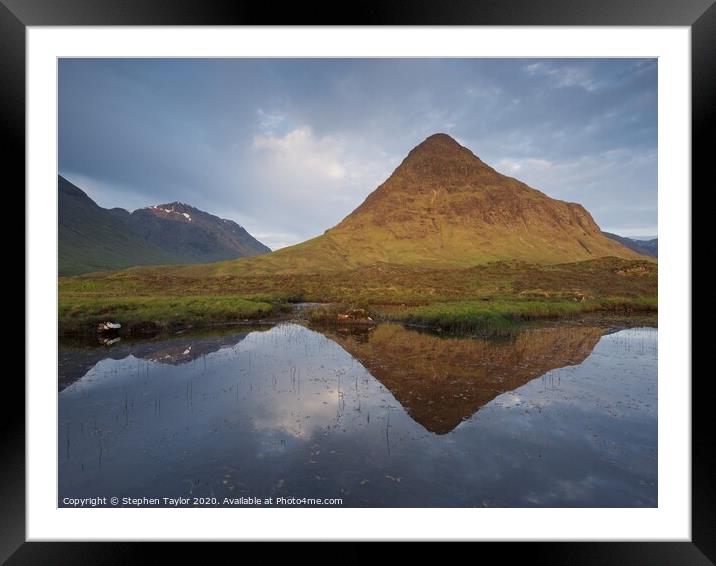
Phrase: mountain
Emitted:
{"points": [[192, 234], [644, 247], [92, 238], [444, 207]]}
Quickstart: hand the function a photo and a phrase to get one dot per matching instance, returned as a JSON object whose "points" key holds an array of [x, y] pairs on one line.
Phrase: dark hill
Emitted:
{"points": [[195, 235], [92, 238], [644, 247]]}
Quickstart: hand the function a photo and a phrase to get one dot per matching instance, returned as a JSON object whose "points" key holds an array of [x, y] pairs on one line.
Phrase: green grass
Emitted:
{"points": [[504, 317], [81, 315], [380, 283], [479, 299], [488, 317]]}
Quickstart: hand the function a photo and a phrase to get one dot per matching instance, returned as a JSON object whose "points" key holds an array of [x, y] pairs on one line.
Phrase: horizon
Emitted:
{"points": [[299, 147]]}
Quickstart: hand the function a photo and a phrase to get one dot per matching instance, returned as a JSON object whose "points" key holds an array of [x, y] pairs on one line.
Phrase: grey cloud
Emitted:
{"points": [[287, 147]]}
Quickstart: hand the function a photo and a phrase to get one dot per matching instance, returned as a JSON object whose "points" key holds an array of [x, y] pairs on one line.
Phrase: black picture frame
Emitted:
{"points": [[17, 15]]}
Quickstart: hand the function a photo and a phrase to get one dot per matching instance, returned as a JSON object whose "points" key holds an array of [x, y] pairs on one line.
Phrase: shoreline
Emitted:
{"points": [[489, 299], [449, 319]]}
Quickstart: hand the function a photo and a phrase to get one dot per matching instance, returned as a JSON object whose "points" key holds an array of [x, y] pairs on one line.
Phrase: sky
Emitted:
{"points": [[288, 147]]}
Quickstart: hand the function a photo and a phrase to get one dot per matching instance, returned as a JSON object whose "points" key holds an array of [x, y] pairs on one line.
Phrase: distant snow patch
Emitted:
{"points": [[172, 211]]}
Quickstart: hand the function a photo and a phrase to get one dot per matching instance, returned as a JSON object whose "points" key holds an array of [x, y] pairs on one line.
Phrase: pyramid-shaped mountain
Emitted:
{"points": [[444, 207]]}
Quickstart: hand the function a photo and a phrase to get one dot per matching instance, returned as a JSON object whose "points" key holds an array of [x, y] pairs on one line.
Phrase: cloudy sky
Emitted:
{"points": [[288, 147]]}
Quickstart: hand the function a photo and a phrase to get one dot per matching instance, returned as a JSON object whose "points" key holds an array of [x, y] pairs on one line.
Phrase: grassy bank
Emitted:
{"points": [[489, 318], [382, 283], [504, 317], [138, 315], [483, 299]]}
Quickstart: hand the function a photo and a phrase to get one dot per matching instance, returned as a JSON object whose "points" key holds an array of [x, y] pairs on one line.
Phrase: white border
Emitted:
{"points": [[670, 521]]}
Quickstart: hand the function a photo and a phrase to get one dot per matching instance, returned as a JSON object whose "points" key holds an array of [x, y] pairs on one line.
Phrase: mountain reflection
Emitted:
{"points": [[442, 381], [439, 381], [75, 360], [293, 411]]}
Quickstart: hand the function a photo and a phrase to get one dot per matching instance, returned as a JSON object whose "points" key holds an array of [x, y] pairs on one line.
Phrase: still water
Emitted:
{"points": [[562, 416]]}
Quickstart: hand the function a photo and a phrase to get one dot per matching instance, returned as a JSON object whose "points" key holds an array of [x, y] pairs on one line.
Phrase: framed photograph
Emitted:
{"points": [[391, 279]]}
